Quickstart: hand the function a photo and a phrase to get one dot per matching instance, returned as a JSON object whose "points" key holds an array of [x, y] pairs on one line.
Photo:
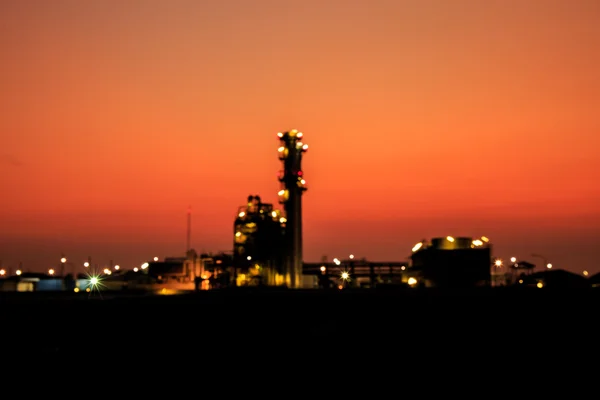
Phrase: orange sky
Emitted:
{"points": [[424, 118]]}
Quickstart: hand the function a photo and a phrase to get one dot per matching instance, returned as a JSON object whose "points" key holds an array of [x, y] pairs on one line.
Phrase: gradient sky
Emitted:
{"points": [[424, 118]]}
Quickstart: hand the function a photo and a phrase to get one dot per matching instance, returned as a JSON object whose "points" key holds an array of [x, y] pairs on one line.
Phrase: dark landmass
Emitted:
{"points": [[251, 322]]}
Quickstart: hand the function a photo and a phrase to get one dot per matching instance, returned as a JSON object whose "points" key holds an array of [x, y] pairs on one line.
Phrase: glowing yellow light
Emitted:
{"points": [[63, 260], [477, 242], [238, 234], [549, 266], [585, 273], [450, 238], [280, 134], [540, 285], [51, 271], [417, 246], [520, 280], [498, 263], [412, 281], [94, 280], [282, 220], [281, 149], [2, 272], [76, 290], [241, 214], [106, 270], [485, 239], [345, 275], [323, 268], [19, 272], [281, 192], [274, 214], [87, 290], [302, 181], [305, 147], [145, 265]]}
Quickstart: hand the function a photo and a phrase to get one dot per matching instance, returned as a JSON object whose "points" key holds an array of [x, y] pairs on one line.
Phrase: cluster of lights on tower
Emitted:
{"points": [[293, 185]]}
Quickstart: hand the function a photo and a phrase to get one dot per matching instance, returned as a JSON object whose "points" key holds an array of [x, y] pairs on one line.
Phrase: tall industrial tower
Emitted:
{"points": [[290, 195]]}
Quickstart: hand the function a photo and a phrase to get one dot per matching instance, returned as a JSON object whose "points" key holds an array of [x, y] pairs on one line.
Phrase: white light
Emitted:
{"points": [[94, 280], [513, 259], [135, 269], [345, 275], [351, 256], [117, 267], [412, 281], [155, 258], [305, 147], [249, 258], [417, 246]]}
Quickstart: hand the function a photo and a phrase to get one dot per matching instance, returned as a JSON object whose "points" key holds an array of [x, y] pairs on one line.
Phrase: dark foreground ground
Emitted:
{"points": [[319, 325]]}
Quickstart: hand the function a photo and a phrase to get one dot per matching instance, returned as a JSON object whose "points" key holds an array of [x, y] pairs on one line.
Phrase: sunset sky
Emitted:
{"points": [[424, 118]]}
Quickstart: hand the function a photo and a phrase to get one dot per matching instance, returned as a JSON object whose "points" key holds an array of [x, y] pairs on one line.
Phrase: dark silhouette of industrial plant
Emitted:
{"points": [[267, 252], [357, 305]]}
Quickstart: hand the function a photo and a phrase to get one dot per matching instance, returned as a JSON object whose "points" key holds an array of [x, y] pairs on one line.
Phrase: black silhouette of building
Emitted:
{"points": [[556, 279], [258, 244], [293, 185], [450, 262]]}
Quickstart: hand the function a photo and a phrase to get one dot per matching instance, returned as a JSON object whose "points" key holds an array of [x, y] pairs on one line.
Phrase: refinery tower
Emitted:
{"points": [[290, 195]]}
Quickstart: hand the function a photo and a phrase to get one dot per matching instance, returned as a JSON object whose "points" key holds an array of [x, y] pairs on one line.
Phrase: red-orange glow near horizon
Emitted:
{"points": [[424, 118]]}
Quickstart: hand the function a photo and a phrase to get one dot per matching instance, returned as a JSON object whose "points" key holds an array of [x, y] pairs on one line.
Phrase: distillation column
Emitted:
{"points": [[290, 195]]}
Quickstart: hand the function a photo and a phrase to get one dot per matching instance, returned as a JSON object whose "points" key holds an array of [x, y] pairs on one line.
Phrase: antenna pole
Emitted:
{"points": [[189, 229]]}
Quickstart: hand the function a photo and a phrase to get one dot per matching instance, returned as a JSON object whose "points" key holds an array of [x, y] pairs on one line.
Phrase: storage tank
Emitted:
{"points": [[463, 243], [442, 243]]}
